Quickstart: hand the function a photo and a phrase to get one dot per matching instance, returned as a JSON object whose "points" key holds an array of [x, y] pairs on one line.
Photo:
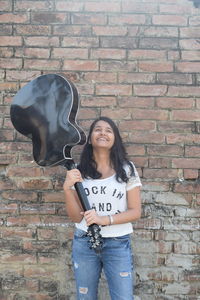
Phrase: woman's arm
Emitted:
{"points": [[73, 205], [132, 213]]}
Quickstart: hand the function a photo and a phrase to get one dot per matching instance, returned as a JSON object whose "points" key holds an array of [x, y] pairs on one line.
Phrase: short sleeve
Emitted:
{"points": [[134, 180]]}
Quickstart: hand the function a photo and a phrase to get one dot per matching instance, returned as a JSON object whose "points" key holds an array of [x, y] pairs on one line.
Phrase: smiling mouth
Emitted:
{"points": [[102, 139]]}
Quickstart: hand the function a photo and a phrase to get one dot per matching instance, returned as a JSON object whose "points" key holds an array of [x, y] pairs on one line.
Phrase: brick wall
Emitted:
{"points": [[137, 62]]}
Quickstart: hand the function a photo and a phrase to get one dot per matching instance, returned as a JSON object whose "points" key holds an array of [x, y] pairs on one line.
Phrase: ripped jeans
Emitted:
{"points": [[116, 261]]}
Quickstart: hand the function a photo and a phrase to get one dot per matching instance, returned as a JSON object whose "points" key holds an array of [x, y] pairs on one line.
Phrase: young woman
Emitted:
{"points": [[112, 185]]}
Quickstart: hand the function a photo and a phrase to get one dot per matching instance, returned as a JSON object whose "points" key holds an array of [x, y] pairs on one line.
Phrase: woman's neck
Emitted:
{"points": [[104, 166]]}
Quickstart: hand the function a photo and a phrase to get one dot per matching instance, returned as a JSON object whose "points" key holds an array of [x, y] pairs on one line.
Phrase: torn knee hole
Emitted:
{"points": [[83, 290], [124, 274]]}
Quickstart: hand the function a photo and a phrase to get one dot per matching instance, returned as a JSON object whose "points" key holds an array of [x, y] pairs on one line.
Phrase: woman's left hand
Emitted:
{"points": [[91, 217]]}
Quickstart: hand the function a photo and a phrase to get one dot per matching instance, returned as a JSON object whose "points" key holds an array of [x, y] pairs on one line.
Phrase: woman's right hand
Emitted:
{"points": [[72, 177]]}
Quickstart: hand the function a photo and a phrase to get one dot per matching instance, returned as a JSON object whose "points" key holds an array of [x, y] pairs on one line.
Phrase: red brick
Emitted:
{"points": [[98, 101], [188, 67], [191, 163], [192, 151], [6, 134], [41, 64], [39, 209], [34, 53], [158, 43], [32, 29], [169, 19], [138, 125], [49, 17], [181, 138], [160, 173], [7, 52], [136, 150], [130, 6], [117, 66], [113, 89], [175, 9], [173, 55], [148, 114], [190, 44], [5, 6], [146, 54], [191, 174], [194, 21], [87, 42], [165, 150], [101, 77], [142, 102], [191, 32], [69, 6], [183, 91], [136, 78], [31, 184], [127, 19], [174, 126], [70, 53], [185, 115], [6, 159], [102, 53], [190, 55], [34, 5], [160, 31], [10, 64], [8, 208], [102, 7], [150, 90], [109, 30], [81, 65], [20, 258], [41, 41], [14, 18], [118, 42], [177, 103], [159, 162], [175, 78], [20, 196], [116, 114], [72, 30], [93, 19], [23, 221], [144, 137], [14, 75], [147, 224]]}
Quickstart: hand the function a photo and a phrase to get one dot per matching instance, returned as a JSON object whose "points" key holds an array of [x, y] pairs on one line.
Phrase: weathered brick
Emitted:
{"points": [[113, 89], [127, 19], [136, 62], [14, 18], [150, 90], [41, 41], [102, 7], [49, 17], [169, 19], [81, 65], [41, 64], [107, 54]]}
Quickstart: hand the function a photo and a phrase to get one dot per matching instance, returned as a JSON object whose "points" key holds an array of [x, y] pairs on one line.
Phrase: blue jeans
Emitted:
{"points": [[116, 261]]}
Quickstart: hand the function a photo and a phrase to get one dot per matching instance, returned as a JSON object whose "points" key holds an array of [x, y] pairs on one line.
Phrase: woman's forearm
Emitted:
{"points": [[73, 206]]}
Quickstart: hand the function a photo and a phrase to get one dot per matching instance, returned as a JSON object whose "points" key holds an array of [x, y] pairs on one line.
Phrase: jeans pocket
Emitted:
{"points": [[122, 238], [80, 233]]}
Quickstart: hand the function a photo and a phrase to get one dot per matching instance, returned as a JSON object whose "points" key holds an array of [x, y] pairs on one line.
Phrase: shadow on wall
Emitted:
{"points": [[196, 3]]}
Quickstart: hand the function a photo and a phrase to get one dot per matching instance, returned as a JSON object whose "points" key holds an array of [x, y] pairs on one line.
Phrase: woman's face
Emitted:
{"points": [[102, 135]]}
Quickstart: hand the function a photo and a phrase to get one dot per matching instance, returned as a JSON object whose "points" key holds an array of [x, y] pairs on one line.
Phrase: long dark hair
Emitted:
{"points": [[118, 156]]}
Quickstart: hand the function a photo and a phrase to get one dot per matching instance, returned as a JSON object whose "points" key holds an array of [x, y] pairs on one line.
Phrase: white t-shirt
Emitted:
{"points": [[108, 197]]}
